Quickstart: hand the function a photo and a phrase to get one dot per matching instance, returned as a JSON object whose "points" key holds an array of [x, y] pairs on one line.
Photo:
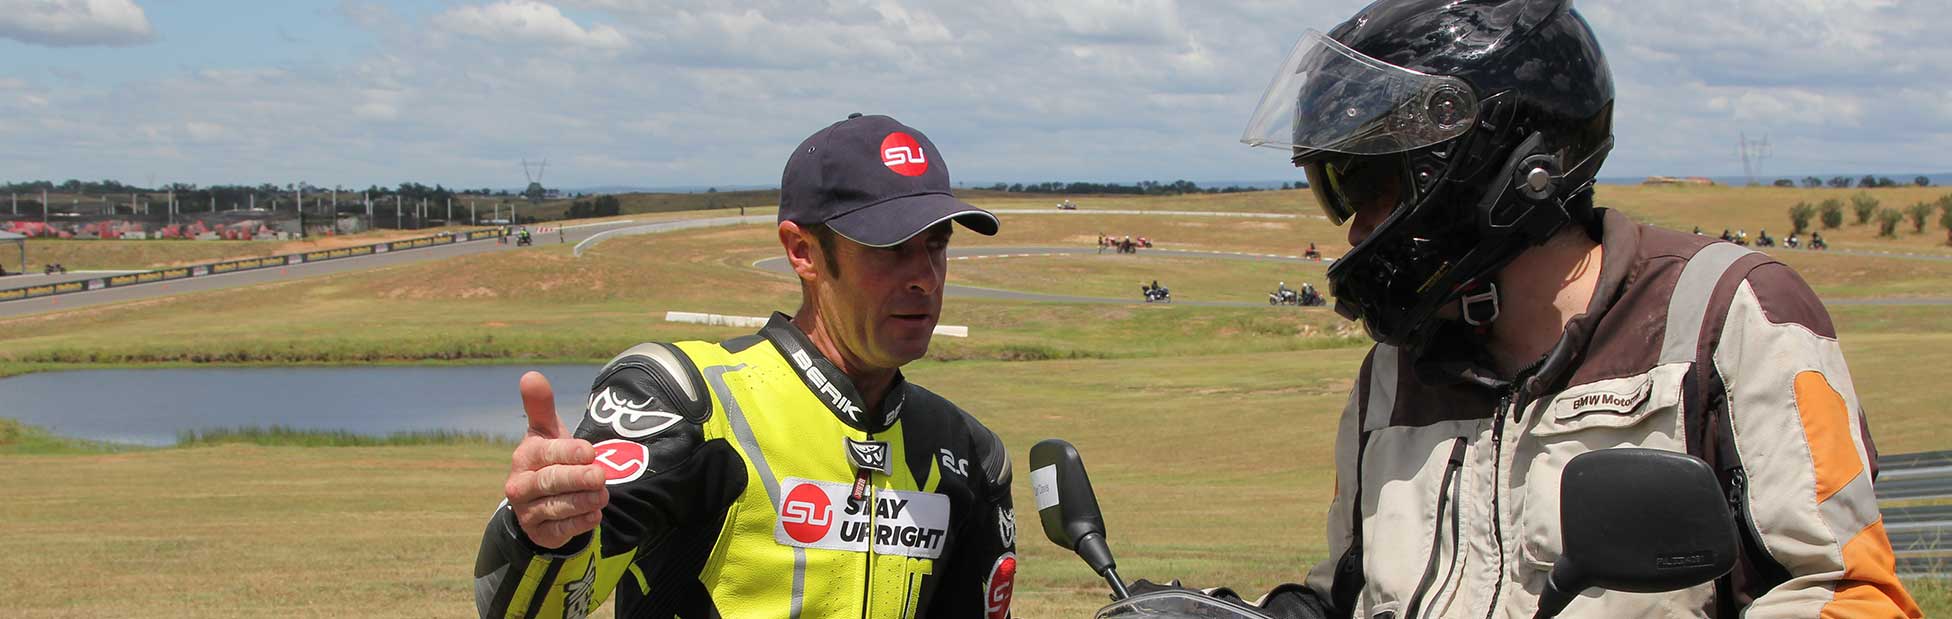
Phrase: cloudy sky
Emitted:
{"points": [[716, 92]]}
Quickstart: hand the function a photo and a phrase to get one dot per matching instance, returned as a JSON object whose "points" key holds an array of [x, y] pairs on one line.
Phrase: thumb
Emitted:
{"points": [[539, 402]]}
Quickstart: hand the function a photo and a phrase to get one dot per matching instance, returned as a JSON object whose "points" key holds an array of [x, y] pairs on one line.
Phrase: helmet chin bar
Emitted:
{"points": [[1516, 212]]}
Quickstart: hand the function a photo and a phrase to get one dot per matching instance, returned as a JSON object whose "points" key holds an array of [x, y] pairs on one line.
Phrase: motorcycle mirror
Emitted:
{"points": [[1641, 521], [1069, 509]]}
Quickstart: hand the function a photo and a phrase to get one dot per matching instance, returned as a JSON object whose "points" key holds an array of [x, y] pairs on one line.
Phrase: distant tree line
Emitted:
{"points": [[1141, 188], [191, 197], [602, 206], [1867, 209], [70, 186], [1869, 181]]}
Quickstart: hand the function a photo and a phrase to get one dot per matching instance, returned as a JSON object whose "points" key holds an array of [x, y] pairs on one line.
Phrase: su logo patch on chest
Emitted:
{"points": [[819, 514]]}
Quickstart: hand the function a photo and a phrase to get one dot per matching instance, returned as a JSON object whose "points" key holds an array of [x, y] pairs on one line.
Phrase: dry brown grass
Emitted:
{"points": [[1237, 500]]}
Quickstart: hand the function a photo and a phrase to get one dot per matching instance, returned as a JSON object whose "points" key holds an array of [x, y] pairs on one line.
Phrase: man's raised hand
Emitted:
{"points": [[554, 486]]}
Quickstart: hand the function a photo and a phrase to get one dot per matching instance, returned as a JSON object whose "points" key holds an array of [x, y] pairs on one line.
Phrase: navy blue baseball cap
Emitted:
{"points": [[875, 181]]}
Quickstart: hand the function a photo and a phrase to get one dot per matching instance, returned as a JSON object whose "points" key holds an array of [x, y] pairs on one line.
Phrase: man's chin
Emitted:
{"points": [[902, 351], [909, 352]]}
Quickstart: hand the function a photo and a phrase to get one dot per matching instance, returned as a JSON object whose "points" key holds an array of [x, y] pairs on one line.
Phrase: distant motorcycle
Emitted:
{"points": [[1306, 297], [524, 240], [1156, 295], [1310, 298]]}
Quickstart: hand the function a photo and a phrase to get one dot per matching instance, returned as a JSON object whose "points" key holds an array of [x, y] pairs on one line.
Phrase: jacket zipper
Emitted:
{"points": [[1456, 537], [867, 558], [1437, 537], [1497, 513]]}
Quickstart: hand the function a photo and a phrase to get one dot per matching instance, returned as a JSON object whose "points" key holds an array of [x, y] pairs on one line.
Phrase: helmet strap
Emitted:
{"points": [[1481, 307]]}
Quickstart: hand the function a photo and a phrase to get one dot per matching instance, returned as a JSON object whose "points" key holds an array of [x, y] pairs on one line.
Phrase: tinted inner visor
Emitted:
{"points": [[1344, 185]]}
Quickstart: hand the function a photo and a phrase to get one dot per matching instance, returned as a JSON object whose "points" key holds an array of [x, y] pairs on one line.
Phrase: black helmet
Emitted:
{"points": [[1488, 119]]}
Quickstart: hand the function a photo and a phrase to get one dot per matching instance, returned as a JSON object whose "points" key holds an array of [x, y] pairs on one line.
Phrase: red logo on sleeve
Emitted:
{"points": [[998, 587], [901, 153], [621, 460]]}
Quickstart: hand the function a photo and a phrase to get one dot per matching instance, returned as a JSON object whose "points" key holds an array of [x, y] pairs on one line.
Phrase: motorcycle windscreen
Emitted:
{"points": [[1328, 97], [1175, 604]]}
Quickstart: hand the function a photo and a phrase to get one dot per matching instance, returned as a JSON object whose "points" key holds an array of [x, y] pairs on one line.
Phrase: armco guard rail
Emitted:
{"points": [[1921, 529], [233, 266]]}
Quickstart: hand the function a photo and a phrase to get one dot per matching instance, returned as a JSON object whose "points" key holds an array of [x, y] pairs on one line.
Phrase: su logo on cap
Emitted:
{"points": [[901, 153]]}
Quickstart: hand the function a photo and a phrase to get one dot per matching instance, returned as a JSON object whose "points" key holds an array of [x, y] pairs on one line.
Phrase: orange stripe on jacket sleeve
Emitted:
{"points": [[1826, 426], [1870, 587]]}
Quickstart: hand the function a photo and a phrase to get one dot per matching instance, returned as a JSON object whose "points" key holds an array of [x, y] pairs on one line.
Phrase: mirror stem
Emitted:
{"points": [[1097, 554], [1555, 597], [1118, 586]]}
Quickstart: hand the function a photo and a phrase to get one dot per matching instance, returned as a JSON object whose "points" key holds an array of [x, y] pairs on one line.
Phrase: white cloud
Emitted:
{"points": [[528, 21], [715, 92], [75, 23], [1839, 85], [1124, 21], [203, 131]]}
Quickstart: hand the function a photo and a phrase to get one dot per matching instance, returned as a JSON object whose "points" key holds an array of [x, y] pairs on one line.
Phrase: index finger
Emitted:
{"points": [[539, 403]]}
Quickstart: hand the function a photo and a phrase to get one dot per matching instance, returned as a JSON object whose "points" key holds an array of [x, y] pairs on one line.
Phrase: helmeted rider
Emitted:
{"points": [[1517, 326]]}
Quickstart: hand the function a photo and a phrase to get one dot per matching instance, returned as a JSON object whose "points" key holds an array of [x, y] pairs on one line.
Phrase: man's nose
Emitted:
{"points": [[923, 274], [1367, 220], [1361, 227]]}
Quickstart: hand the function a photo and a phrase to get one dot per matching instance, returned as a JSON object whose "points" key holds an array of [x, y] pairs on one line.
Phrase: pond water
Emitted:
{"points": [[150, 406]]}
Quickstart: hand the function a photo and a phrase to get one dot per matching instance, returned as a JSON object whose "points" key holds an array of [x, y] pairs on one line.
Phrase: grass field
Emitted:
{"points": [[247, 530], [1206, 430], [1119, 277], [96, 254]]}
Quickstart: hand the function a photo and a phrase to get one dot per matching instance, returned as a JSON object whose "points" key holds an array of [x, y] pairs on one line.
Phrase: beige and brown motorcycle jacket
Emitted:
{"points": [[1448, 477]]}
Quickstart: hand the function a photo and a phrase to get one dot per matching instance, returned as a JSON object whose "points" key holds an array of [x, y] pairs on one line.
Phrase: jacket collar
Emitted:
{"points": [[826, 381], [1460, 357]]}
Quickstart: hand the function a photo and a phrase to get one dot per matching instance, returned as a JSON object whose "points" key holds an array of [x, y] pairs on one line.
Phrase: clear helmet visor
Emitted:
{"points": [[1329, 97]]}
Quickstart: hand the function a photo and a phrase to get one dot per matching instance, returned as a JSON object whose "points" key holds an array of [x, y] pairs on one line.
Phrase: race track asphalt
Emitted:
{"points": [[37, 279], [24, 307], [778, 265]]}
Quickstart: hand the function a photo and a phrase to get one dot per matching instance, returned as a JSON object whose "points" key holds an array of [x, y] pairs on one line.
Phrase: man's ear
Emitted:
{"points": [[802, 250]]}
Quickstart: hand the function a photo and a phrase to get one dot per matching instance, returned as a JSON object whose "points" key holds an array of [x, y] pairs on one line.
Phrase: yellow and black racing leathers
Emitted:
{"points": [[746, 481]]}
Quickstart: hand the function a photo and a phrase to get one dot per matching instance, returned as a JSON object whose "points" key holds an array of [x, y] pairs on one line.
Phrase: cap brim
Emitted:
{"points": [[893, 222]]}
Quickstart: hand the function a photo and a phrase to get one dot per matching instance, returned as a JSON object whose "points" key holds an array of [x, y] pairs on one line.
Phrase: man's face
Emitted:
{"points": [[1374, 207], [883, 306], [1359, 191]]}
